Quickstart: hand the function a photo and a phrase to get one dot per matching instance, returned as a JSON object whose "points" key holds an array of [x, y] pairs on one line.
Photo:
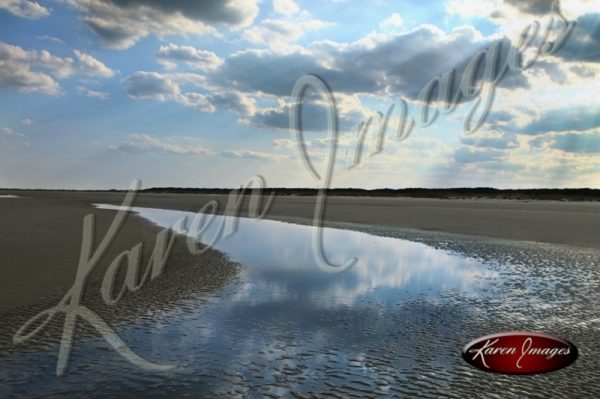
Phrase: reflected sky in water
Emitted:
{"points": [[280, 266]]}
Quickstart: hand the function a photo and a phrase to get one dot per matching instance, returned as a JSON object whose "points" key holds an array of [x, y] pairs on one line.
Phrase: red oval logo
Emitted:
{"points": [[520, 352]]}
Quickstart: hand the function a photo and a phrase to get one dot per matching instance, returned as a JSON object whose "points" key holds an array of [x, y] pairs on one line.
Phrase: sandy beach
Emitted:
{"points": [[41, 242], [567, 223], [255, 315], [41, 230]]}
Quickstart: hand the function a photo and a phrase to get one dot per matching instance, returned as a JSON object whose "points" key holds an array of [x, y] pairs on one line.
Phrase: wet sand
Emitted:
{"points": [[282, 333], [276, 346], [40, 245]]}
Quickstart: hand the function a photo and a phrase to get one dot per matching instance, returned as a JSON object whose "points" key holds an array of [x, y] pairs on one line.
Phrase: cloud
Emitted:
{"points": [[285, 7], [265, 71], [322, 143], [536, 7], [394, 20], [584, 42], [152, 85], [225, 100], [272, 117], [541, 8], [492, 139], [313, 116], [6, 131], [170, 87], [25, 8], [395, 64], [551, 69], [248, 154], [52, 39], [142, 143], [512, 16], [285, 143], [498, 118], [169, 56], [280, 33], [27, 121], [11, 140], [91, 66], [391, 65], [32, 71], [471, 9], [582, 71], [233, 101], [314, 112], [466, 155], [577, 143], [121, 23], [93, 93], [575, 118]]}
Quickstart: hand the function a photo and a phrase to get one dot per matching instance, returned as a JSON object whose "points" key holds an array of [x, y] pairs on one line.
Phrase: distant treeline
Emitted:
{"points": [[550, 194], [554, 194]]}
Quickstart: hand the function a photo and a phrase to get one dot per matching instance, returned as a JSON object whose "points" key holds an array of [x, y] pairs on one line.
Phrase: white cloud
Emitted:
{"points": [[380, 65], [391, 64], [394, 21], [233, 101], [7, 131], [285, 7], [52, 39], [93, 93], [91, 66], [153, 85], [398, 63], [248, 154], [141, 143], [280, 34], [11, 140], [285, 143], [472, 8], [583, 71], [25, 8], [173, 87], [32, 71], [512, 16], [120, 24], [27, 121], [172, 54], [569, 8], [491, 140]]}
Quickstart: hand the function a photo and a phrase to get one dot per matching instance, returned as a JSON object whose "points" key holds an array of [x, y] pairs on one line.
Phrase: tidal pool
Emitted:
{"points": [[392, 325], [279, 264]]}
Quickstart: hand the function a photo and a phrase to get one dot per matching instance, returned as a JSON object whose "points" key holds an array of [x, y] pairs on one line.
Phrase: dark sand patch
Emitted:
{"points": [[40, 245]]}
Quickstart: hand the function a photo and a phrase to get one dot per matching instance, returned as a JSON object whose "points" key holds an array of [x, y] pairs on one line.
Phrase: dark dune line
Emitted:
{"points": [[547, 194]]}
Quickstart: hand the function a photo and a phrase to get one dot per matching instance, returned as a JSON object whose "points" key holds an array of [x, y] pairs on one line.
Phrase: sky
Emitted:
{"points": [[97, 93]]}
